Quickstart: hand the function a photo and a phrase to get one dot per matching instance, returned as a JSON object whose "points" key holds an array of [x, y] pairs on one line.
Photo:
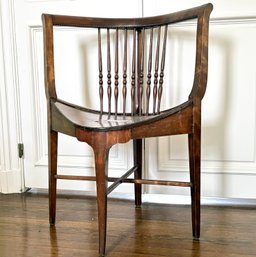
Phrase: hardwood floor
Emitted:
{"points": [[154, 230]]}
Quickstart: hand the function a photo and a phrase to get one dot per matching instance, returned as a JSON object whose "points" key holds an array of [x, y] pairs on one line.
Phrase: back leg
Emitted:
{"points": [[137, 157], [52, 169], [195, 178]]}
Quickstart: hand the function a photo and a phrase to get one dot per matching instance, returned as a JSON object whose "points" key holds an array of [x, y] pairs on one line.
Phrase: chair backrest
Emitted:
{"points": [[137, 71], [135, 53]]}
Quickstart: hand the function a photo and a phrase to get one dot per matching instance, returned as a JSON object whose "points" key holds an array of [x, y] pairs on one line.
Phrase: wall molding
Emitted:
{"points": [[119, 158], [119, 155], [11, 173], [233, 21], [247, 165], [222, 21], [42, 1]]}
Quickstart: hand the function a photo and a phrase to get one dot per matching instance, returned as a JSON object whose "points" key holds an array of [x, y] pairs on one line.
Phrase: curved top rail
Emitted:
{"points": [[65, 20]]}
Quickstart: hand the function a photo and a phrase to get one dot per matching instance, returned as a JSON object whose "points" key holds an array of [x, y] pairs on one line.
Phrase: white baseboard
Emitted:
{"points": [[186, 200], [161, 198], [11, 182]]}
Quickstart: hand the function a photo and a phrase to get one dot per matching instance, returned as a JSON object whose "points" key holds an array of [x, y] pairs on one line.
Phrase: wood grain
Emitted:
{"points": [[153, 230]]}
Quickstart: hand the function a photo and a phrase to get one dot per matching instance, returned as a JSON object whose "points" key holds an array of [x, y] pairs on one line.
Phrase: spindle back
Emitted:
{"points": [[131, 62], [139, 73]]}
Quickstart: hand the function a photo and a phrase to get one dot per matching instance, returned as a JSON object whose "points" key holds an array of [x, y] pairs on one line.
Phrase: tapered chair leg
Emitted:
{"points": [[195, 177], [101, 167], [137, 157], [53, 155]]}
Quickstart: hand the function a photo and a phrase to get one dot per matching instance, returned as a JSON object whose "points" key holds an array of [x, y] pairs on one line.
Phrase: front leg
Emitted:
{"points": [[101, 167]]}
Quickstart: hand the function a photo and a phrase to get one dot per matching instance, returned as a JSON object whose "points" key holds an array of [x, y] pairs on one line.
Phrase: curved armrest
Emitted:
{"points": [[201, 67]]}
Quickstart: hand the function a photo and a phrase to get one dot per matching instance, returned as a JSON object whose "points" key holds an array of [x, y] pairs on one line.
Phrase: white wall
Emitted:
{"points": [[229, 107], [229, 110]]}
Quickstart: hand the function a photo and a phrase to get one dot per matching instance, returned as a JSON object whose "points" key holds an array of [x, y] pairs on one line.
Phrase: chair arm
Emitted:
{"points": [[201, 67]]}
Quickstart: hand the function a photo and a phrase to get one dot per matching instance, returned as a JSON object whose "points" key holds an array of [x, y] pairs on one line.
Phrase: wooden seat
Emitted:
{"points": [[132, 101]]}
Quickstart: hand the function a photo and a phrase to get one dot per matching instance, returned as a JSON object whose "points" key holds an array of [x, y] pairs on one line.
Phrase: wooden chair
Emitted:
{"points": [[102, 129]]}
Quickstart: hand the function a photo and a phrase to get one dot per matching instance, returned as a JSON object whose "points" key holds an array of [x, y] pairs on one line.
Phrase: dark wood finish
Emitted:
{"points": [[161, 80], [125, 73], [133, 107], [150, 231], [148, 90], [101, 90], [124, 179], [109, 74], [95, 127], [156, 71], [137, 148]]}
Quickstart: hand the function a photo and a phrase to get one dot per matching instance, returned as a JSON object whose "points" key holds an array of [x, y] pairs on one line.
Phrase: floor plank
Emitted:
{"points": [[153, 230]]}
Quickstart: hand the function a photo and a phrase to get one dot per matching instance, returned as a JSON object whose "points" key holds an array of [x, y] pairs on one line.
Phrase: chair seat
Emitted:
{"points": [[93, 120]]}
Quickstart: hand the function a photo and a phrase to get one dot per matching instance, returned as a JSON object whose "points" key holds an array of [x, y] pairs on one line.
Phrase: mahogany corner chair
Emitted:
{"points": [[102, 129]]}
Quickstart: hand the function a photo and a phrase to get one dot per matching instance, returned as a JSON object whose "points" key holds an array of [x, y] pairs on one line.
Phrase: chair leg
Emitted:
{"points": [[137, 156], [195, 178], [101, 167], [52, 159]]}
